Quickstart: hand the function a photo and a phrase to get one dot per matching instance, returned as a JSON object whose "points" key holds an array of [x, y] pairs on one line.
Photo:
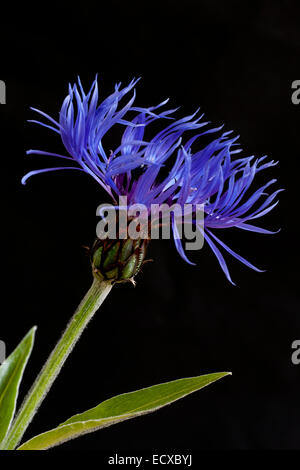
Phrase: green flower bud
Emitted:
{"points": [[118, 260]]}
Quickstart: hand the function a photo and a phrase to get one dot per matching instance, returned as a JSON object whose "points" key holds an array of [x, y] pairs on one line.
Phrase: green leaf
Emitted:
{"points": [[11, 373], [120, 408]]}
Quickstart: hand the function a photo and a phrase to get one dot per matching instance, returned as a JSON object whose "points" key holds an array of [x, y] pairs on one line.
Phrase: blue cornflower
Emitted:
{"points": [[136, 169]]}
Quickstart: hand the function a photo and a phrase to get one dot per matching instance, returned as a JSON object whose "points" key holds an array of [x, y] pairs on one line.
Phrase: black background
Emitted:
{"points": [[237, 60]]}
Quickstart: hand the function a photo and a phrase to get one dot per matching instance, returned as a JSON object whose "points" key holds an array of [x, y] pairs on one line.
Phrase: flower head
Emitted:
{"points": [[83, 123], [210, 177]]}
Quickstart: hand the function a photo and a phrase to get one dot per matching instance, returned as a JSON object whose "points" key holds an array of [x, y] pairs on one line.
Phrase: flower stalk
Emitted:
{"points": [[84, 313]]}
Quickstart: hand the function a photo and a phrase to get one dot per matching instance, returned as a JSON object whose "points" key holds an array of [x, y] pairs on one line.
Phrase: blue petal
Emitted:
{"points": [[233, 253], [178, 242], [44, 170], [220, 257], [252, 228]]}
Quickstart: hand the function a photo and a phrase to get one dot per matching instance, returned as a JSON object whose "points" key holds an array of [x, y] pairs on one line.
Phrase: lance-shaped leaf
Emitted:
{"points": [[121, 408], [11, 373]]}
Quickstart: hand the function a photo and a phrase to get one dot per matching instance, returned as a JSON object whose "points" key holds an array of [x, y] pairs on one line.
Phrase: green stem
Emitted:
{"points": [[88, 306]]}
